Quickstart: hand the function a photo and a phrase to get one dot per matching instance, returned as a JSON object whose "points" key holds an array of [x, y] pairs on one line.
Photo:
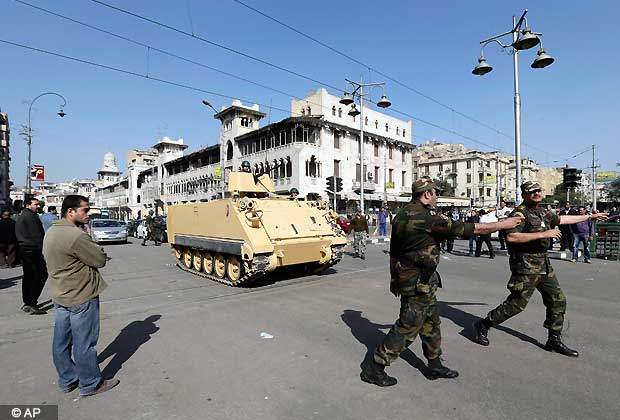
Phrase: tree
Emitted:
{"points": [[576, 197], [445, 187], [613, 191]]}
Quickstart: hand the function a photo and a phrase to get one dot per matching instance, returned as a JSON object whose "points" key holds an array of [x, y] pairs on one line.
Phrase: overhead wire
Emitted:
{"points": [[150, 47]]}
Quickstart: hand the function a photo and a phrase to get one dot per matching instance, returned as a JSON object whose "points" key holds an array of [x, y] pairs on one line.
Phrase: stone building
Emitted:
{"points": [[5, 159]]}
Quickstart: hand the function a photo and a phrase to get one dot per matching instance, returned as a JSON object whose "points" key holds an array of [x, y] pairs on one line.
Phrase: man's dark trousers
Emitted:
{"points": [[35, 275], [487, 240], [567, 240]]}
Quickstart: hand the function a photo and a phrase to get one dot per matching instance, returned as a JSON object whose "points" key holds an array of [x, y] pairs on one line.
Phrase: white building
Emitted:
{"points": [[301, 152], [109, 173]]}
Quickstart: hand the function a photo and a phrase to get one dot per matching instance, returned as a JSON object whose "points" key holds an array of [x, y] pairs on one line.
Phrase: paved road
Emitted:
{"points": [[186, 348]]}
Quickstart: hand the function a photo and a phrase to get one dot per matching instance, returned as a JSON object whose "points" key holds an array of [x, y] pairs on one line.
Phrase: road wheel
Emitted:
{"points": [[178, 252], [207, 262], [234, 268], [187, 257], [197, 260], [220, 265]]}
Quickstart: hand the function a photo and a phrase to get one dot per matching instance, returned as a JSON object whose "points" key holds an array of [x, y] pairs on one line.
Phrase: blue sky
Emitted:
{"points": [[430, 46]]}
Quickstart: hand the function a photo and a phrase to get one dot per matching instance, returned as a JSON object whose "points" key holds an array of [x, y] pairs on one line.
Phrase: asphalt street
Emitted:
{"points": [[187, 348]]}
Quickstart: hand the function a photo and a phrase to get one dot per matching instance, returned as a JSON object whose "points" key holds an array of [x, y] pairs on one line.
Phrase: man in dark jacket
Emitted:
{"points": [[8, 241], [566, 242], [29, 232]]}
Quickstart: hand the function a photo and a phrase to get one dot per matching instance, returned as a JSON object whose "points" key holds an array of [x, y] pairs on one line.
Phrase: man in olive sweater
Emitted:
{"points": [[73, 260]]}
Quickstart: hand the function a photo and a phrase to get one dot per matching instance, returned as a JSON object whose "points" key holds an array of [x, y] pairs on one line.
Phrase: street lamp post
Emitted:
{"points": [[522, 39], [61, 114], [222, 152], [349, 99]]}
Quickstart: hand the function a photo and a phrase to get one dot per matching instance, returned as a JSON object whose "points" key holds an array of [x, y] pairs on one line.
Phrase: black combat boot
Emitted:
{"points": [[374, 373], [437, 370], [481, 331], [555, 344]]}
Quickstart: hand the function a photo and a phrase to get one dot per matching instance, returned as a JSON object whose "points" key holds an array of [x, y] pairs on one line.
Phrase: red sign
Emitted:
{"points": [[37, 173]]}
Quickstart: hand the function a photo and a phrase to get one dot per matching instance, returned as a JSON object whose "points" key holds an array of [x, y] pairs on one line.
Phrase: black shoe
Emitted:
{"points": [[374, 373], [437, 370], [555, 344], [481, 331], [33, 310], [363, 257]]}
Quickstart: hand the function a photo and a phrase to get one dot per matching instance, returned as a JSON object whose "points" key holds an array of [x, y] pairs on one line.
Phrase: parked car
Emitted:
{"points": [[108, 230], [344, 223]]}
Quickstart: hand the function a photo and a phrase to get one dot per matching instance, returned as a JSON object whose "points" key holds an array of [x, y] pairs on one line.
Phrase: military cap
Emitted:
{"points": [[530, 186], [424, 184]]}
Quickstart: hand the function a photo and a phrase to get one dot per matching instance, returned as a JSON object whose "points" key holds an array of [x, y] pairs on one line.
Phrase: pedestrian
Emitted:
{"points": [[148, 224], [454, 215], [566, 242], [74, 260], [48, 218], [531, 269], [485, 217], [414, 256], [157, 224], [29, 233], [473, 218], [8, 241], [383, 217], [582, 232], [502, 212], [359, 227]]}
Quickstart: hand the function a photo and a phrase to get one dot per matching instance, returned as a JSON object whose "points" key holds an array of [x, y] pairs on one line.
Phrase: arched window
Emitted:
{"points": [[403, 132], [340, 112], [365, 120], [376, 123], [289, 167], [138, 199], [229, 151], [387, 127], [334, 110], [282, 168], [313, 167], [397, 131], [309, 111]]}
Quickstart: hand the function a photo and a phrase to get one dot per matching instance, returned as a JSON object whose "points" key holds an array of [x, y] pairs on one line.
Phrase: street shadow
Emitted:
{"points": [[465, 320], [10, 282], [288, 273], [124, 346], [371, 335]]}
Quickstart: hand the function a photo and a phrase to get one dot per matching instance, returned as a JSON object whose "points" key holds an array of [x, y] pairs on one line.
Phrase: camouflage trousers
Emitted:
{"points": [[521, 288], [418, 315], [359, 243]]}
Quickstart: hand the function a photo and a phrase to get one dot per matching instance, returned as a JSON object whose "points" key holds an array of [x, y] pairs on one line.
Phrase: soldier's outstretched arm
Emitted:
{"points": [[486, 228], [521, 237], [570, 220]]}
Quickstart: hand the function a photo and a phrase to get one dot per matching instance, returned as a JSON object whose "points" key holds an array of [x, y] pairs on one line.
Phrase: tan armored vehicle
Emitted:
{"points": [[249, 233]]}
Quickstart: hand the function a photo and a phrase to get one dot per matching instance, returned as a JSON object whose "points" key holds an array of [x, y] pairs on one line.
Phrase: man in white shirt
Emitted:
{"points": [[502, 212]]}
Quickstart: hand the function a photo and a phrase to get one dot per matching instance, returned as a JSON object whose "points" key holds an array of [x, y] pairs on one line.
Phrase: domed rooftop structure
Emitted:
{"points": [[109, 172]]}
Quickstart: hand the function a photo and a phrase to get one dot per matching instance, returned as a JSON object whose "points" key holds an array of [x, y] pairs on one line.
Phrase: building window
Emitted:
{"points": [[334, 111], [303, 111], [488, 192], [391, 175], [488, 163], [469, 178], [282, 139], [480, 178], [468, 192], [403, 132], [415, 164], [229, 151], [289, 167], [453, 166], [336, 140], [336, 168], [480, 192], [403, 178], [377, 124], [390, 152], [359, 144], [403, 155], [441, 167], [365, 120], [358, 172], [376, 147], [397, 131], [376, 174], [309, 111], [305, 135], [387, 127], [469, 164], [339, 112], [426, 169]]}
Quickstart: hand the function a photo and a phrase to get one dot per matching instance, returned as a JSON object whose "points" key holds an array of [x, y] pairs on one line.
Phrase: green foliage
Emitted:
{"points": [[448, 190], [613, 191], [576, 197]]}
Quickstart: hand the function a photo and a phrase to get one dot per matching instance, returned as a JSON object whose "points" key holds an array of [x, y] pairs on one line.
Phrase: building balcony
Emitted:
{"points": [[368, 186]]}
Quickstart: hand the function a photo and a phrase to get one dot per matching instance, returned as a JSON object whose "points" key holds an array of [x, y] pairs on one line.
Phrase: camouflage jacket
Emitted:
{"points": [[417, 232], [531, 257]]}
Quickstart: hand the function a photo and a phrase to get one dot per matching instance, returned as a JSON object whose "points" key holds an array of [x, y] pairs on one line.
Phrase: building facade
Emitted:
{"points": [[5, 159]]}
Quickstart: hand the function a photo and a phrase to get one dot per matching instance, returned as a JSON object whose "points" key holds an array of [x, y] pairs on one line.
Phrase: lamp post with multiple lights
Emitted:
{"points": [[523, 38], [349, 99]]}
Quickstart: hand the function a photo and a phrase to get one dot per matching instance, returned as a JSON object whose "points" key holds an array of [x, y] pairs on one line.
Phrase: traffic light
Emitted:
{"points": [[571, 178], [338, 184], [330, 184]]}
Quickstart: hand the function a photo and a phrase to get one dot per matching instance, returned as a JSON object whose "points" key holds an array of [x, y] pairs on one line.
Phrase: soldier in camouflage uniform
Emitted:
{"points": [[359, 227], [417, 232], [531, 269], [148, 223]]}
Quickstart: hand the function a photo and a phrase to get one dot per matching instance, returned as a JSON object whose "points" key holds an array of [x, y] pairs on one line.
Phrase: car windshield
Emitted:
{"points": [[106, 223]]}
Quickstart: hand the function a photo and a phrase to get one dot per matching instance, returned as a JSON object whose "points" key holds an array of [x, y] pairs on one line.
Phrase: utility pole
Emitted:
{"points": [[593, 177]]}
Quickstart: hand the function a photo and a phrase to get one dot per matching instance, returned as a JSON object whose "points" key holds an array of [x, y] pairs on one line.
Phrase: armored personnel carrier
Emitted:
{"points": [[249, 233]]}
